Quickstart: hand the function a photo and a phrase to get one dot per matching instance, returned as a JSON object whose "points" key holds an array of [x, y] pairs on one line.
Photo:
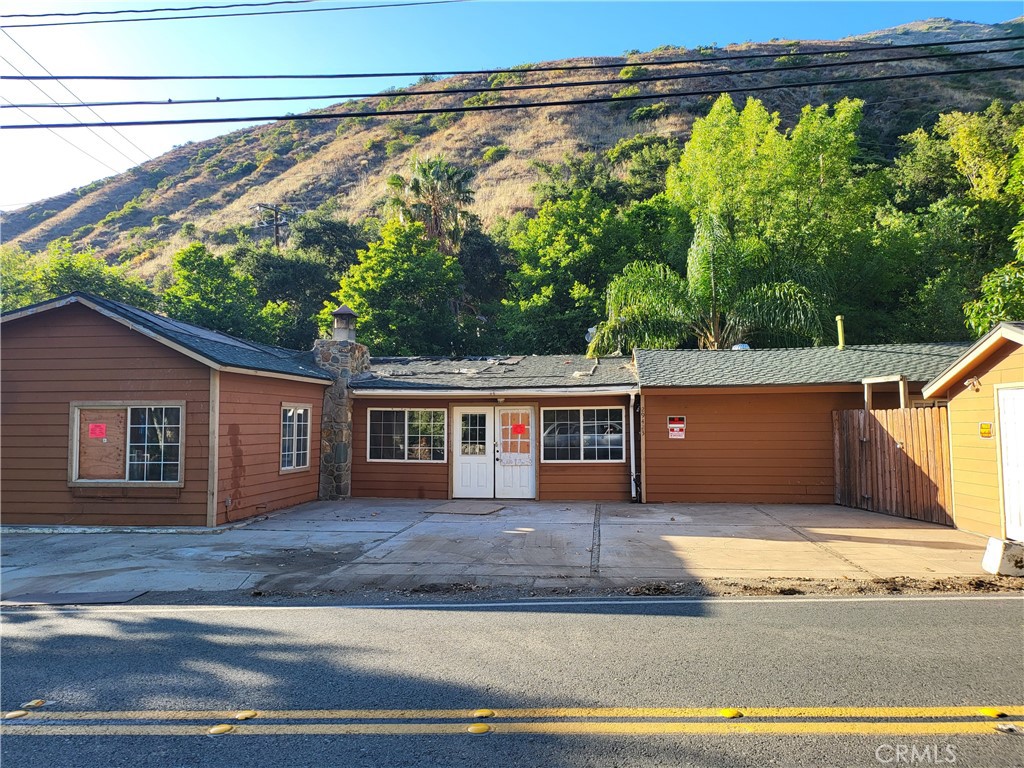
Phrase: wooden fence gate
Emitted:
{"points": [[895, 462]]}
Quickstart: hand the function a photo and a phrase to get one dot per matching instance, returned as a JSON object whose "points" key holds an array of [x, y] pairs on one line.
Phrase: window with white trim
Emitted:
{"points": [[128, 444], [294, 436], [411, 434], [582, 434]]}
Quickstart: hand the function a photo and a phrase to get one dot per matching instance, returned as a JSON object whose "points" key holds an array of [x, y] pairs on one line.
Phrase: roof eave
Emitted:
{"points": [[615, 389], [77, 298], [979, 351]]}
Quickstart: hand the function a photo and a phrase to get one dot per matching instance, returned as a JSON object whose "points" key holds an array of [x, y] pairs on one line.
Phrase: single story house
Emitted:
{"points": [[110, 415], [519, 427], [755, 425], [985, 391], [663, 425]]}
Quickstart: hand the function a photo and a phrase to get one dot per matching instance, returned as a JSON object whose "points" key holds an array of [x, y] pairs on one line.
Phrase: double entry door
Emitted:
{"points": [[495, 452]]}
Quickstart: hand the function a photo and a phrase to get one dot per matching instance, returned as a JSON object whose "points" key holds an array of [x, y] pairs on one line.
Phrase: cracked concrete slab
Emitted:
{"points": [[391, 542]]}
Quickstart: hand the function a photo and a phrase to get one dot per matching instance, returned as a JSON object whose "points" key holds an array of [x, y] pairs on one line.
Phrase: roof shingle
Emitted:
{"points": [[794, 366], [500, 372]]}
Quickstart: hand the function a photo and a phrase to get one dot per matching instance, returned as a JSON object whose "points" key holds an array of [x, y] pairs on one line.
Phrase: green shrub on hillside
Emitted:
{"points": [[496, 153], [481, 100], [625, 93], [444, 120], [650, 112], [632, 72]]}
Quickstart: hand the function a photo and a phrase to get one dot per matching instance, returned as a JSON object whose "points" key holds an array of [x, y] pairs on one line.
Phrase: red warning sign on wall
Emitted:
{"points": [[677, 427]]}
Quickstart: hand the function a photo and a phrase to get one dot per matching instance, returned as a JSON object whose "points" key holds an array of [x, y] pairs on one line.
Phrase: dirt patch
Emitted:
{"points": [[898, 585]]}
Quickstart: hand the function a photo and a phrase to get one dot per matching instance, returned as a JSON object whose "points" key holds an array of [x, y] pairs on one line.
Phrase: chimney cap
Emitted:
{"points": [[344, 311]]}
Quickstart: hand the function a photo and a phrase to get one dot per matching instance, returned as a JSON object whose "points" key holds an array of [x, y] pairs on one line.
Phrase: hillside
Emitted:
{"points": [[210, 187]]}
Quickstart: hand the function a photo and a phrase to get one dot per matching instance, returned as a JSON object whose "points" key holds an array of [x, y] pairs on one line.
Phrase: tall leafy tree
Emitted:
{"points": [[727, 297], [299, 278], [402, 289], [566, 256], [19, 285], [211, 291], [59, 270], [436, 194], [957, 196]]}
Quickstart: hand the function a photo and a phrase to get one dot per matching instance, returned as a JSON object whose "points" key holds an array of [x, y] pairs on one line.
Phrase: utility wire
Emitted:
{"points": [[531, 86], [526, 105], [555, 68], [75, 96], [158, 10], [68, 141], [90, 126], [231, 15]]}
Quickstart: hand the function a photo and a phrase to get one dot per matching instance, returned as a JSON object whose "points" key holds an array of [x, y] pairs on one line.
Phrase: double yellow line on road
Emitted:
{"points": [[867, 721]]}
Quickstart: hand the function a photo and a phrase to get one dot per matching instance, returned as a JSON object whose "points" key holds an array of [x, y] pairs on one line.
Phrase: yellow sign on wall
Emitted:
{"points": [[985, 428]]}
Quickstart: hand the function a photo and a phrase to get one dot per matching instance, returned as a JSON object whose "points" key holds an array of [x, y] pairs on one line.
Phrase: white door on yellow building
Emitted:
{"points": [[1011, 458]]}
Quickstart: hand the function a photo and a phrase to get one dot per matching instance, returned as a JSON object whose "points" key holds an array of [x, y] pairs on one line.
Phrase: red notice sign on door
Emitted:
{"points": [[677, 427], [97, 430]]}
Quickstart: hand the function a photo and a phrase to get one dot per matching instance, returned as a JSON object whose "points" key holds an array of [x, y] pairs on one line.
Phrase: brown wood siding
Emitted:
{"points": [[396, 479], [894, 461], [975, 459], [585, 480], [75, 354], [249, 470], [409, 479], [743, 446]]}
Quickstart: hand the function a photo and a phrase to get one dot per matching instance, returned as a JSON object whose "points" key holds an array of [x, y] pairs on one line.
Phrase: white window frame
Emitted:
{"points": [[74, 438], [309, 441], [581, 460], [407, 460]]}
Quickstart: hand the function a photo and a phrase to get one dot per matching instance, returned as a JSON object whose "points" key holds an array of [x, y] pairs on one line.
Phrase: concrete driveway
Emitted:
{"points": [[400, 544]]}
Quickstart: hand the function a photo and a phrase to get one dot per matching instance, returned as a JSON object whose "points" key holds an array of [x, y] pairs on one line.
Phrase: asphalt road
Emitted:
{"points": [[635, 682]]}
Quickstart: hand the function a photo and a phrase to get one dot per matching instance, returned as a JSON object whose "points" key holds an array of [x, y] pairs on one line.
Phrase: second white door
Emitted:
{"points": [[495, 453]]}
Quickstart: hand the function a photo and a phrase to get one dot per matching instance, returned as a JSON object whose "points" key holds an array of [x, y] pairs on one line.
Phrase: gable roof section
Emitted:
{"points": [[982, 349], [793, 366], [217, 350], [426, 375]]}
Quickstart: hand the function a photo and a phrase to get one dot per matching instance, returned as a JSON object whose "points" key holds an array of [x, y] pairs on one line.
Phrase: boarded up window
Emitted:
{"points": [[102, 437], [130, 444]]}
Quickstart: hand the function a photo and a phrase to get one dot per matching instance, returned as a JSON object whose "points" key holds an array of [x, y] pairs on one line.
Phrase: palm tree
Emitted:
{"points": [[435, 195], [727, 296]]}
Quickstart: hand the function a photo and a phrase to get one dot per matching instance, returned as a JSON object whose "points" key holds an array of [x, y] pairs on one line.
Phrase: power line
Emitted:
{"points": [[533, 86], [526, 105], [75, 96], [90, 126], [524, 69], [68, 141], [158, 10], [232, 15]]}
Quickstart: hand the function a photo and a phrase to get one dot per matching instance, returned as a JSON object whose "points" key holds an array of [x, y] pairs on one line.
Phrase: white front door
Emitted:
{"points": [[516, 473], [494, 453], [474, 453], [1011, 452]]}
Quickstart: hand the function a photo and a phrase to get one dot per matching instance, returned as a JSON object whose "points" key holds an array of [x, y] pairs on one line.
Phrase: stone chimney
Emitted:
{"points": [[342, 357]]}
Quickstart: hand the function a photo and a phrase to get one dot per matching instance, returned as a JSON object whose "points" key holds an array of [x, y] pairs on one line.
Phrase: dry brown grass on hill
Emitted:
{"points": [[137, 216]]}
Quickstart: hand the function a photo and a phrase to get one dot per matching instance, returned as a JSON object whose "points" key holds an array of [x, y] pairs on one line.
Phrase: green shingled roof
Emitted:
{"points": [[795, 366]]}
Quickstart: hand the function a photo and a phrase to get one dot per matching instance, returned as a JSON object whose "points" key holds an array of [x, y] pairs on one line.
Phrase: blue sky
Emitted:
{"points": [[477, 34]]}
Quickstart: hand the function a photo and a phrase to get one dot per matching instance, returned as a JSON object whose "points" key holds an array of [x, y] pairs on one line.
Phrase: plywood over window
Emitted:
{"points": [[102, 438]]}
